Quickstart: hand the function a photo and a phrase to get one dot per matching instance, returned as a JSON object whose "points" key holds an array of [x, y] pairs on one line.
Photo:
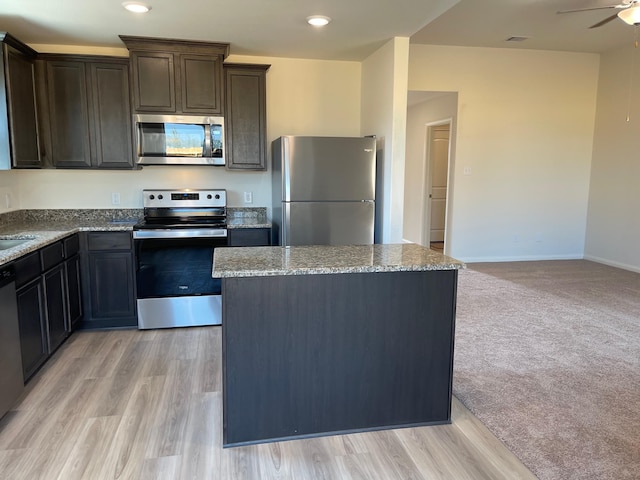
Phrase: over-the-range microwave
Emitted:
{"points": [[179, 140]]}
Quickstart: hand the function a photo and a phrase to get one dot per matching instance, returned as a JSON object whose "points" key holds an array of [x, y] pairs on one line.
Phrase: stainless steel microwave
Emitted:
{"points": [[179, 140]]}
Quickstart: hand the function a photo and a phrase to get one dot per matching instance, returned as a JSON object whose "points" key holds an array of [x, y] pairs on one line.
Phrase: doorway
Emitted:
{"points": [[438, 148]]}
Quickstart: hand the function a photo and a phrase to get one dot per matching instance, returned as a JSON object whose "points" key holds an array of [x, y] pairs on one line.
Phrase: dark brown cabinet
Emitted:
{"points": [[246, 117], [18, 114], [74, 285], [108, 276], [88, 112], [55, 301], [176, 76], [249, 237], [32, 320], [49, 302]]}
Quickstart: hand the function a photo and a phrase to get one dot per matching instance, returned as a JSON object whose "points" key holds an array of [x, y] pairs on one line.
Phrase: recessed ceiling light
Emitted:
{"points": [[136, 7], [318, 20]]}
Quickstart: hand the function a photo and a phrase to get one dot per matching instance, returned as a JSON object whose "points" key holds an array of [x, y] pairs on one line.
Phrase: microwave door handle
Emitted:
{"points": [[207, 141]]}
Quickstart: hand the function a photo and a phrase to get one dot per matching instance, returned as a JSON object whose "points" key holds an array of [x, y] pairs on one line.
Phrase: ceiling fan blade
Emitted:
{"points": [[605, 21], [593, 8]]}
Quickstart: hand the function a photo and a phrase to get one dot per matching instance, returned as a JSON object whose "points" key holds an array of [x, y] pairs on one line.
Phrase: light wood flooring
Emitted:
{"points": [[131, 404]]}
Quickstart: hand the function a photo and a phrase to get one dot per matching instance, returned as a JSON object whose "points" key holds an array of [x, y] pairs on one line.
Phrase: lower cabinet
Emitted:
{"points": [[55, 299], [49, 304], [108, 276], [33, 323], [249, 237], [74, 291]]}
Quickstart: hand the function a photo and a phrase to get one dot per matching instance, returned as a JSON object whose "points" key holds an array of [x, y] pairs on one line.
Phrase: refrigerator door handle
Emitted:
{"points": [[286, 173], [286, 225]]}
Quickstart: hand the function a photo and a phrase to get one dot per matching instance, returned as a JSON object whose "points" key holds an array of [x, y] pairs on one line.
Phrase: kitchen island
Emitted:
{"points": [[332, 339]]}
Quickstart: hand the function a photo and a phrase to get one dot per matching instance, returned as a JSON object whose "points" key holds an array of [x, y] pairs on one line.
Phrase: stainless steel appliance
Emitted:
{"points": [[323, 190], [174, 246], [11, 380], [179, 140]]}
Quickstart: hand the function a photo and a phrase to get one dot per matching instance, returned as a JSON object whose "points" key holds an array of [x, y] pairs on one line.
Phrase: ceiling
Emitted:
{"points": [[359, 27]]}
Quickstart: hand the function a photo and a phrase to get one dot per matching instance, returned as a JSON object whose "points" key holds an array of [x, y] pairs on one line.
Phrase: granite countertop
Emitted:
{"points": [[43, 227], [41, 234], [314, 260]]}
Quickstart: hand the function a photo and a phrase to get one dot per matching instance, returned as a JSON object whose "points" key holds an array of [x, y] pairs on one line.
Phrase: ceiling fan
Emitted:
{"points": [[629, 12]]}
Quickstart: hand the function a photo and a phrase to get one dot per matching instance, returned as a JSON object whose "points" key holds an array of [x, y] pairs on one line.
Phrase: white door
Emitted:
{"points": [[439, 163]]}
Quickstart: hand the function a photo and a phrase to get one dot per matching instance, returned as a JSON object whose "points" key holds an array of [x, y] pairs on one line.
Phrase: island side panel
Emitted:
{"points": [[315, 354]]}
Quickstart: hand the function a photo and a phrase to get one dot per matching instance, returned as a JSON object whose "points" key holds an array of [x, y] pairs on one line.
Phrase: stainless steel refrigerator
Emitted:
{"points": [[323, 190]]}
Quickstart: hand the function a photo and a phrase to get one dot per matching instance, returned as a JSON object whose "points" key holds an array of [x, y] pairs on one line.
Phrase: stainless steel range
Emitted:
{"points": [[174, 246]]}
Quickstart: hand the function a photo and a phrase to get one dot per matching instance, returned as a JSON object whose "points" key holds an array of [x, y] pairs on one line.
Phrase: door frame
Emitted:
{"points": [[426, 183]]}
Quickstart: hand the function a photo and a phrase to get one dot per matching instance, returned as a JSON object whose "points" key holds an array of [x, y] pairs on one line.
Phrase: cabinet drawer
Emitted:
{"points": [[71, 246], [51, 255], [109, 241], [27, 268]]}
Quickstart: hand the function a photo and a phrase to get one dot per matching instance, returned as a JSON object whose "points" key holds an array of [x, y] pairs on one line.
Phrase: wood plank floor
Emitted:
{"points": [[129, 404]]}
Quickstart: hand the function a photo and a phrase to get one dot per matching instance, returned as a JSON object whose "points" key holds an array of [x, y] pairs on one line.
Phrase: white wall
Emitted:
{"points": [[384, 103], [9, 187], [441, 108], [525, 128], [310, 97], [613, 227]]}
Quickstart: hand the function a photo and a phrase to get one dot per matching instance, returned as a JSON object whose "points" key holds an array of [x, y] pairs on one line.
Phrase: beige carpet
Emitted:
{"points": [[548, 358]]}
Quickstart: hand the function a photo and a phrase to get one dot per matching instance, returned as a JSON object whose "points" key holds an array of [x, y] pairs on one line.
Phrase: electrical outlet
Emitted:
{"points": [[115, 198], [539, 237], [467, 171], [7, 198], [516, 238], [248, 197]]}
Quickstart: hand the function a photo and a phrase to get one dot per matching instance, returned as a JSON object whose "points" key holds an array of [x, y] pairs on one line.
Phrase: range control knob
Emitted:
{"points": [[209, 197], [160, 197], [217, 197], [151, 197]]}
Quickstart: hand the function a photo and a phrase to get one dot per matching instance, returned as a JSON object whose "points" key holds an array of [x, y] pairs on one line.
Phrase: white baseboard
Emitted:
{"points": [[523, 258], [612, 263]]}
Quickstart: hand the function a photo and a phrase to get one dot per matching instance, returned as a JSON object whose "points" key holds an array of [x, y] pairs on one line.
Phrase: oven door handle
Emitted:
{"points": [[181, 233]]}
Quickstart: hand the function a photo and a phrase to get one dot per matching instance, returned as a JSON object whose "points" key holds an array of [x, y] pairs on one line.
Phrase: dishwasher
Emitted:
{"points": [[11, 380]]}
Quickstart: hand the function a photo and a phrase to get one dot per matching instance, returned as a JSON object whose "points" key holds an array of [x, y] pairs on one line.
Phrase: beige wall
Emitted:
{"points": [[613, 228], [310, 97], [525, 128], [9, 191], [384, 103], [443, 107]]}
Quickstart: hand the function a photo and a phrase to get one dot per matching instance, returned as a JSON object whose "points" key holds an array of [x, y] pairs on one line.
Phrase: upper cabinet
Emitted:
{"points": [[176, 76], [246, 117], [88, 111], [18, 114]]}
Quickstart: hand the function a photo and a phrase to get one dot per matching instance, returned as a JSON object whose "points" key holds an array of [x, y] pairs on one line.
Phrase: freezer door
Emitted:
{"points": [[328, 168], [328, 223]]}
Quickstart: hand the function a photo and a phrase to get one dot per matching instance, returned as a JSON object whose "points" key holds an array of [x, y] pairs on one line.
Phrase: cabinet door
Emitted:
{"points": [[201, 80], [246, 118], [249, 237], [33, 336], [68, 114], [112, 144], [153, 82], [74, 292], [21, 99], [111, 284], [56, 304]]}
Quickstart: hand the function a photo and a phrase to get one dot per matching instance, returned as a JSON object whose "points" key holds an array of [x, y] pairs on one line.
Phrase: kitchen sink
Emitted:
{"points": [[6, 244]]}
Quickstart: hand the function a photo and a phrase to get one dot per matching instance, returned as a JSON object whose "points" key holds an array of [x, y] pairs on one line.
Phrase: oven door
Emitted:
{"points": [[173, 277]]}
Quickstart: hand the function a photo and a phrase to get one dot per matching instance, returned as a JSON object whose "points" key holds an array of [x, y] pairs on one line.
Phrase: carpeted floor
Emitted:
{"points": [[547, 356]]}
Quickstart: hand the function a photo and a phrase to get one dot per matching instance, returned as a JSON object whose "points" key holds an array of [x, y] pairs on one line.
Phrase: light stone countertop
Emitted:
{"points": [[44, 227], [316, 260]]}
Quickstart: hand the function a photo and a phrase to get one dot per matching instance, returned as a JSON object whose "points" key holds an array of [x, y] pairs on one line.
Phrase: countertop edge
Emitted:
{"points": [[328, 260]]}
